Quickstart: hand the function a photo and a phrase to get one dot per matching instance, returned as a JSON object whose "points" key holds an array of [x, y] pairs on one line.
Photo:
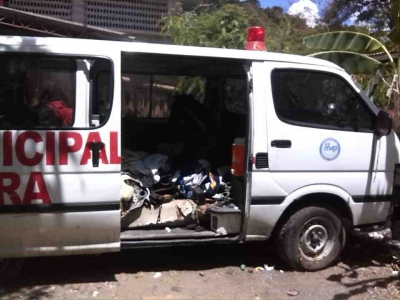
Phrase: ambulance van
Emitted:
{"points": [[119, 145]]}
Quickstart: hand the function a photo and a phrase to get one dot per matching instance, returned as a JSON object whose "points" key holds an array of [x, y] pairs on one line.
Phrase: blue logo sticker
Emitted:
{"points": [[329, 149]]}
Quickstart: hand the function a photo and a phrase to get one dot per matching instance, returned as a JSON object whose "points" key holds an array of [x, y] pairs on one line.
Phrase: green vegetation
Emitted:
{"points": [[374, 28]]}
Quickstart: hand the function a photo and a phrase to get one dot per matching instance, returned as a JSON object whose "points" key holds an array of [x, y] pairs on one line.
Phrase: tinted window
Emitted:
{"points": [[151, 96], [236, 95], [40, 91], [320, 100], [36, 92]]}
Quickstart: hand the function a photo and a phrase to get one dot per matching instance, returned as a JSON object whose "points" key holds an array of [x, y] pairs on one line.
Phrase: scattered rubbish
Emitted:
{"points": [[396, 264], [160, 189], [125, 189], [292, 293], [282, 271], [174, 213], [376, 235], [395, 273], [95, 293], [176, 289], [157, 275], [242, 267], [269, 268], [224, 219], [376, 263], [259, 269], [221, 231], [202, 274]]}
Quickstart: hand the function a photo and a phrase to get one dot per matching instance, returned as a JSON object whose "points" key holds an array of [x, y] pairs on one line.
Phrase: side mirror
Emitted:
{"points": [[384, 124]]}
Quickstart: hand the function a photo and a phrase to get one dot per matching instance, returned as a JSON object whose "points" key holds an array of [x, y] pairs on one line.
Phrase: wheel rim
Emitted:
{"points": [[316, 238], [3, 264]]}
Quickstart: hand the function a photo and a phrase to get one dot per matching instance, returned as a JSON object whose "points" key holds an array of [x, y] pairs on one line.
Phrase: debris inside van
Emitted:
{"points": [[155, 194], [133, 194], [174, 213]]}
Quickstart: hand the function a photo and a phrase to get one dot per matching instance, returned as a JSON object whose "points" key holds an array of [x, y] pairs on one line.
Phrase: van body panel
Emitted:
{"points": [[362, 174], [63, 233], [62, 204]]}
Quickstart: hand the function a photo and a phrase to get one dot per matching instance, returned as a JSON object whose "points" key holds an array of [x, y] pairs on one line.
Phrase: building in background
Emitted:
{"points": [[141, 19]]}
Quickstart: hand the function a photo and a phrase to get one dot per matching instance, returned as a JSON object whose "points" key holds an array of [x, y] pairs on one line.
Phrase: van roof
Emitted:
{"points": [[164, 49]]}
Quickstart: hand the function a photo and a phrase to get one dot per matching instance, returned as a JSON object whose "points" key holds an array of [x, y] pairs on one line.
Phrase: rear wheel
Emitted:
{"points": [[9, 268], [311, 239]]}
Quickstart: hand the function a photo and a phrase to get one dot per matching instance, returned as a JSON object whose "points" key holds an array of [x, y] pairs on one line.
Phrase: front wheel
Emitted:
{"points": [[9, 268], [311, 239]]}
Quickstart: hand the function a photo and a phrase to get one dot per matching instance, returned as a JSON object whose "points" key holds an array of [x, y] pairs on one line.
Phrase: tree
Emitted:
{"points": [[225, 27], [283, 32], [201, 25], [375, 12]]}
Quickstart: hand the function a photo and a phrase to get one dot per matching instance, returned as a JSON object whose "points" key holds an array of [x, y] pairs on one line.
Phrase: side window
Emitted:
{"points": [[235, 98], [36, 92], [152, 96], [319, 99]]}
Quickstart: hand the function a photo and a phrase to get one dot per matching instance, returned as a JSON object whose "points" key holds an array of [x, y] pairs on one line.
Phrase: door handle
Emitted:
{"points": [[281, 143], [95, 147]]}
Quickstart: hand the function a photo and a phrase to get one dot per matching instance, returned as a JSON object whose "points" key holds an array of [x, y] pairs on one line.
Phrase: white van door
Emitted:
{"points": [[59, 129], [319, 136]]}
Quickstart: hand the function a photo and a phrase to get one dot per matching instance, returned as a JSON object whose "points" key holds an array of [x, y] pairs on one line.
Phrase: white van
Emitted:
{"points": [[99, 140]]}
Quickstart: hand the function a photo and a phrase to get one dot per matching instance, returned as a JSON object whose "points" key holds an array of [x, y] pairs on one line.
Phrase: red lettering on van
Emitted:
{"points": [[20, 148], [114, 157], [50, 148], [9, 189], [36, 178], [65, 148], [36, 188], [57, 148]]}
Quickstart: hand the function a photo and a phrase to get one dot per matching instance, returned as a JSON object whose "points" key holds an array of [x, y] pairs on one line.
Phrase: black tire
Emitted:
{"points": [[311, 239], [9, 268]]}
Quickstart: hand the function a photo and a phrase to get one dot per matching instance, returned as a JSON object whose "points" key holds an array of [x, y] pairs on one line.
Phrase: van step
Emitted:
{"points": [[161, 234]]}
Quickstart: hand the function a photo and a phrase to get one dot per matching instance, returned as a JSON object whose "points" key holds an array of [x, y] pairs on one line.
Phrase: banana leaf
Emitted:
{"points": [[353, 63], [343, 41]]}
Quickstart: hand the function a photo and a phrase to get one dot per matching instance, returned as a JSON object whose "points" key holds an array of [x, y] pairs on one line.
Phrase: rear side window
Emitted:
{"points": [[39, 91], [318, 99], [235, 90], [152, 96], [36, 92]]}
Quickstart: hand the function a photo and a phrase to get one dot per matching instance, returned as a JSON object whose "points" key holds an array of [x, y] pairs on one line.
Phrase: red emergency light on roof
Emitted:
{"points": [[255, 39]]}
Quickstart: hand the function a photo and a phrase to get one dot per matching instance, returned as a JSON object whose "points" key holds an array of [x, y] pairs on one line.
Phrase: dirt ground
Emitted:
{"points": [[206, 272]]}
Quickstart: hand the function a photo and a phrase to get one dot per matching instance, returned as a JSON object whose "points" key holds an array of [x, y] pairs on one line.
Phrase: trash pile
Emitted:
{"points": [[153, 193]]}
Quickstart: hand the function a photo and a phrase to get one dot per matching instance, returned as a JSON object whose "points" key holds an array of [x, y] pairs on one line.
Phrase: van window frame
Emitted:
{"points": [[322, 126], [73, 58]]}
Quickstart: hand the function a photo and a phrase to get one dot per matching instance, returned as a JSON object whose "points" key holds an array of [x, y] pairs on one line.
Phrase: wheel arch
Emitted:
{"points": [[332, 196]]}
